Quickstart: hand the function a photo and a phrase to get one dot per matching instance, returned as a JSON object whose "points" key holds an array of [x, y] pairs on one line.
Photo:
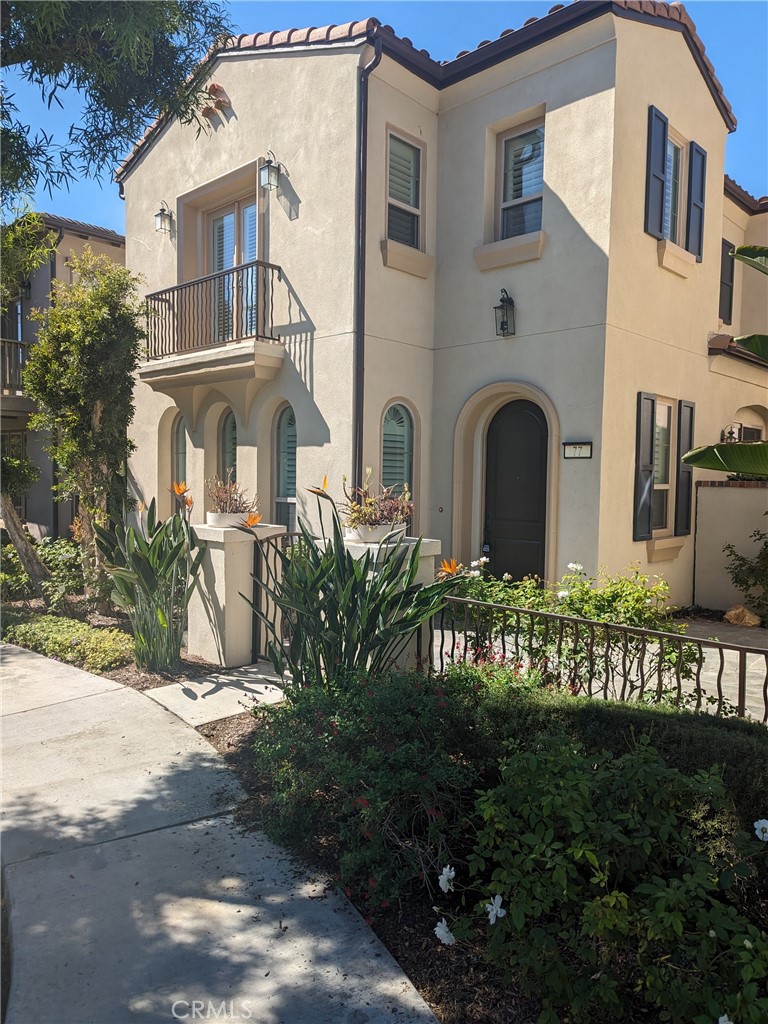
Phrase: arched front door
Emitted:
{"points": [[516, 491]]}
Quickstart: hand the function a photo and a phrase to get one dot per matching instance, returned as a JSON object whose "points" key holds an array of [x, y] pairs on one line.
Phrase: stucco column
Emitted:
{"points": [[220, 620]]}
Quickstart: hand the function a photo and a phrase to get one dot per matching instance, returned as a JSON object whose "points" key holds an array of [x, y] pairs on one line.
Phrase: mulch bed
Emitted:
{"points": [[138, 679], [457, 983]]}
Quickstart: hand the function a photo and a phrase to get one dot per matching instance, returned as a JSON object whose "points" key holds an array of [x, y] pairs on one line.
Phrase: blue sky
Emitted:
{"points": [[734, 32]]}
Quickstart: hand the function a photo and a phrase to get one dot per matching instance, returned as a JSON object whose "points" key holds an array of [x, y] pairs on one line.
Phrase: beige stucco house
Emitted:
{"points": [[356, 314], [43, 516]]}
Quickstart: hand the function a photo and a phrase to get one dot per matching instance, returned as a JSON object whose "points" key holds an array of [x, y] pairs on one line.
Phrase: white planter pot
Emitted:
{"points": [[221, 520], [375, 534]]}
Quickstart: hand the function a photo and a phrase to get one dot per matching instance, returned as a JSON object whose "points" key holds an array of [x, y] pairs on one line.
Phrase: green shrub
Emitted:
{"points": [[93, 648], [601, 892], [63, 560], [750, 575], [371, 770]]}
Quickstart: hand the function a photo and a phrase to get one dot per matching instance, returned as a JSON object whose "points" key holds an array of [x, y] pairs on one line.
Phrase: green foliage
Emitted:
{"points": [[755, 256], [750, 575], [130, 62], [80, 375], [612, 895], [25, 245], [344, 614], [70, 640], [370, 769], [154, 571], [63, 560], [17, 476], [747, 458]]}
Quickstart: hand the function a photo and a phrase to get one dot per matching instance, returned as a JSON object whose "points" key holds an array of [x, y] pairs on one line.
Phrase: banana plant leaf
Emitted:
{"points": [[745, 458], [757, 344], [753, 255]]}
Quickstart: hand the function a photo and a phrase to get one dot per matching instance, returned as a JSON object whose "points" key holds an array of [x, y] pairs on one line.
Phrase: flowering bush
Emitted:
{"points": [[228, 496], [598, 887]]}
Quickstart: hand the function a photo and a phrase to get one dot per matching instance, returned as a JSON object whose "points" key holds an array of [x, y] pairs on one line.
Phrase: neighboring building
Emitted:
{"points": [[43, 516], [346, 318]]}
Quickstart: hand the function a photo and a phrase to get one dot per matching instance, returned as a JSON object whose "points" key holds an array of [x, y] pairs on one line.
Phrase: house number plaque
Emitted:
{"points": [[577, 449]]}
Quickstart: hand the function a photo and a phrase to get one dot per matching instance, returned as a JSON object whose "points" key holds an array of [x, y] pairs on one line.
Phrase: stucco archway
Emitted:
{"points": [[469, 467]]}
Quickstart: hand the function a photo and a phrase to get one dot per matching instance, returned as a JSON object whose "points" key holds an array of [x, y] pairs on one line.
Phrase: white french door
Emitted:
{"points": [[233, 244]]}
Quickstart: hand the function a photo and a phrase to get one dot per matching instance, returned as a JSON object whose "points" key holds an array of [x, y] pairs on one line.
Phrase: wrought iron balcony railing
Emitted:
{"points": [[13, 357], [231, 305]]}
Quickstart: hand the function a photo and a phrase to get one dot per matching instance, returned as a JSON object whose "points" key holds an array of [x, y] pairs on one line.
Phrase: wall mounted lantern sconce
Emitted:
{"points": [[163, 218], [505, 315], [269, 172]]}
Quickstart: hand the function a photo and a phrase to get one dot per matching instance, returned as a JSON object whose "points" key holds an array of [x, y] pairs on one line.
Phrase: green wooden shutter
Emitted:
{"points": [[228, 446], [656, 172], [697, 182], [179, 451], [644, 455], [684, 481], [726, 281], [397, 448], [286, 454]]}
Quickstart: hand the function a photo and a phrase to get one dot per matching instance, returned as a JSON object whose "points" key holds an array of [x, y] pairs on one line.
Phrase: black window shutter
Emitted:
{"points": [[646, 432], [726, 282], [684, 482], [656, 172], [697, 180]]}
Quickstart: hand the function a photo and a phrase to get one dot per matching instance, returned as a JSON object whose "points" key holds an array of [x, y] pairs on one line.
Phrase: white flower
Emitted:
{"points": [[494, 910], [725, 1019], [474, 572], [747, 944], [575, 567], [761, 829], [444, 933], [506, 577], [712, 933], [562, 593], [447, 875]]}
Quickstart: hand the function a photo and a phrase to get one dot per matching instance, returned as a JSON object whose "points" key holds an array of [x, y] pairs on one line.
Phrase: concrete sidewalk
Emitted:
{"points": [[132, 895]]}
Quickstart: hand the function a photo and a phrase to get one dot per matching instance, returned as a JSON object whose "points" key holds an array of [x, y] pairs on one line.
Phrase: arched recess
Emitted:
{"points": [[227, 445], [210, 423], [749, 421], [400, 435], [171, 429], [469, 457]]}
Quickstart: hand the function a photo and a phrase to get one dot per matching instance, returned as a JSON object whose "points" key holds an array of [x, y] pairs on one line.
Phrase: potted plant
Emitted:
{"points": [[371, 517], [230, 504]]}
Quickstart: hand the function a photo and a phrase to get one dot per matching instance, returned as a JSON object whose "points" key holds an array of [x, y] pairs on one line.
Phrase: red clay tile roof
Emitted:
{"points": [[559, 18], [79, 227], [743, 198]]}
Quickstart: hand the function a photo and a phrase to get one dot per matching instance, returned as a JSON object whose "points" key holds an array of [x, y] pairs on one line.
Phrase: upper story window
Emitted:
{"points": [[404, 205], [675, 186], [521, 181], [233, 236]]}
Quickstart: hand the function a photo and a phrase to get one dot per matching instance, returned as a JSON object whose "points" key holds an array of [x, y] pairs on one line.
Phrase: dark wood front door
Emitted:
{"points": [[516, 490]]}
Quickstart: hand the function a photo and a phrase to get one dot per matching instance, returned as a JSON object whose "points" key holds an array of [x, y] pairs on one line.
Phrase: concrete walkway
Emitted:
{"points": [[134, 898]]}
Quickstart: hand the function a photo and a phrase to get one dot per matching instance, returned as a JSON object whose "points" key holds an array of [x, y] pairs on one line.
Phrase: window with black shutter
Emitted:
{"points": [[684, 482], [726, 282], [656, 173], [644, 458], [697, 181]]}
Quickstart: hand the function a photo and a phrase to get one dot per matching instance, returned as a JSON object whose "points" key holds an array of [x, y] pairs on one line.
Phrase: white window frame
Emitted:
{"points": [[677, 237], [501, 205], [409, 140], [235, 206]]}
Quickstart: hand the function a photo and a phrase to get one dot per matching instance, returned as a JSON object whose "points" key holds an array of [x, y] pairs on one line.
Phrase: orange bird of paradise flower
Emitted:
{"points": [[253, 520], [449, 567], [180, 489], [322, 489], [189, 501]]}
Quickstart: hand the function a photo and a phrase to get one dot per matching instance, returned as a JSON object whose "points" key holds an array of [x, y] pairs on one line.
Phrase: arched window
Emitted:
{"points": [[285, 498], [228, 446], [397, 448], [178, 451]]}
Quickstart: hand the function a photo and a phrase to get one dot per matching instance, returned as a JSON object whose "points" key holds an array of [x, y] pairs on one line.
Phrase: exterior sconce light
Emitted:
{"points": [[269, 172], [505, 315], [163, 218]]}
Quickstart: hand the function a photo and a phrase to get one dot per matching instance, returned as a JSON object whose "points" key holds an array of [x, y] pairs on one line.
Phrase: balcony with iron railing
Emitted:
{"points": [[13, 358], [214, 330]]}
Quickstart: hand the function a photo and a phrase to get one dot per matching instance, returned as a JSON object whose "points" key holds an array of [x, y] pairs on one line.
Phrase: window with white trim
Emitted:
{"points": [[520, 181], [404, 198], [663, 489], [663, 483], [673, 192]]}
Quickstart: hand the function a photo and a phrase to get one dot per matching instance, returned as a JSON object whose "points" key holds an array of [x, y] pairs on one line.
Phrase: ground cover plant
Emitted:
{"points": [[383, 777], [96, 649]]}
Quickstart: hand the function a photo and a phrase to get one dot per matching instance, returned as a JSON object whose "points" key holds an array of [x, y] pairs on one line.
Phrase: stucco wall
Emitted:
{"points": [[302, 107], [726, 514]]}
